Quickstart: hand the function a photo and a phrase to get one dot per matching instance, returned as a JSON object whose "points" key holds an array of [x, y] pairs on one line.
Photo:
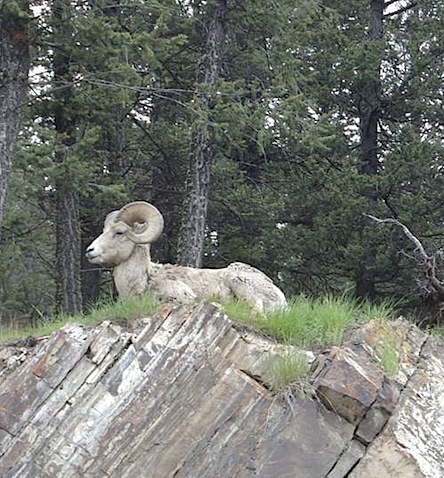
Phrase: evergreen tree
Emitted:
{"points": [[333, 247], [14, 67], [317, 116], [195, 220], [69, 297]]}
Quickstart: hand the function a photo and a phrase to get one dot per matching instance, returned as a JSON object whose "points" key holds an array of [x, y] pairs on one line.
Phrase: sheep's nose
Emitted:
{"points": [[89, 250]]}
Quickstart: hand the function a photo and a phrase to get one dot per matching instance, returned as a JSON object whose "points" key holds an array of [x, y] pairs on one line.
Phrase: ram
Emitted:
{"points": [[125, 243]]}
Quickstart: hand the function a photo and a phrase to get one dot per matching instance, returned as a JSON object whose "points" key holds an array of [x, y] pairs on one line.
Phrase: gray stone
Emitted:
{"points": [[347, 386], [372, 424], [354, 452], [411, 445], [185, 395]]}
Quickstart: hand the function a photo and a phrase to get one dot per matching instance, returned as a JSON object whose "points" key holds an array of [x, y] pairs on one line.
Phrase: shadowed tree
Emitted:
{"points": [[193, 234], [69, 297], [14, 68], [368, 103]]}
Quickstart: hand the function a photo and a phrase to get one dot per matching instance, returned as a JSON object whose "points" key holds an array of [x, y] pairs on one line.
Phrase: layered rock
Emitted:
{"points": [[184, 393]]}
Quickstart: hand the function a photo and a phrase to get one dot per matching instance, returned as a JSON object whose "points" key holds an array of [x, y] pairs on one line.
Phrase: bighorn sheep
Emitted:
{"points": [[125, 246]]}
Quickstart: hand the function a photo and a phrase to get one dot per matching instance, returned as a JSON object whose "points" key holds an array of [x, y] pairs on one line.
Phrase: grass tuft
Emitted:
{"points": [[286, 371], [130, 308], [305, 322], [390, 355], [385, 309]]}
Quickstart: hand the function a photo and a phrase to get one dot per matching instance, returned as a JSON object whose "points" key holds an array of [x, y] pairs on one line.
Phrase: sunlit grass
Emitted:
{"points": [[115, 311], [309, 322], [130, 308], [305, 322]]}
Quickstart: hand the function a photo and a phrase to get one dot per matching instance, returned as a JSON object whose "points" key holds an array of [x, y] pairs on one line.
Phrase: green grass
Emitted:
{"points": [[130, 308], [7, 333], [118, 311], [305, 322], [286, 371], [385, 309], [390, 355], [437, 330], [309, 322]]}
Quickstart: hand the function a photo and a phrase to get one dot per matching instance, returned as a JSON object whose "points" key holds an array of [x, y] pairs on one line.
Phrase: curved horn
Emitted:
{"points": [[148, 218]]}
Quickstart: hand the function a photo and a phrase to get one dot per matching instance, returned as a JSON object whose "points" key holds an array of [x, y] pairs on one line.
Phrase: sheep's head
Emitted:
{"points": [[136, 223]]}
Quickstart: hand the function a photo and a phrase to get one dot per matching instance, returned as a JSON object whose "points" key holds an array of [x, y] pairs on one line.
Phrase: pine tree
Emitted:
{"points": [[14, 68], [195, 220]]}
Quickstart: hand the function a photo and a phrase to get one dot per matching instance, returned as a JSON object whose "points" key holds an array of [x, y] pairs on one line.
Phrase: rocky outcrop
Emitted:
{"points": [[184, 394]]}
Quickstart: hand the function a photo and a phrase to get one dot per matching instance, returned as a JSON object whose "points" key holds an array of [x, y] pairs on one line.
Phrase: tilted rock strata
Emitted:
{"points": [[184, 395]]}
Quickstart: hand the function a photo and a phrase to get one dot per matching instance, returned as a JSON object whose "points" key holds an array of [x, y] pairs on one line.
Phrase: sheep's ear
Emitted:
{"points": [[110, 218]]}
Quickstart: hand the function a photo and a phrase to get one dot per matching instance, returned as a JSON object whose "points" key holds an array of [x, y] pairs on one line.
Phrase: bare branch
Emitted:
{"points": [[407, 232], [428, 262], [401, 10]]}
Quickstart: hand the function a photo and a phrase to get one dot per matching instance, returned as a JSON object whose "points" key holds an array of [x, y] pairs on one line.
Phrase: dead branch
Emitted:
{"points": [[400, 10], [407, 232], [433, 288]]}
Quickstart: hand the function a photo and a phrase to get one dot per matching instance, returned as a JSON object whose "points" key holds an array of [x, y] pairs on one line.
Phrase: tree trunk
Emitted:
{"points": [[193, 234], [69, 297], [68, 250], [14, 68], [370, 97], [369, 107]]}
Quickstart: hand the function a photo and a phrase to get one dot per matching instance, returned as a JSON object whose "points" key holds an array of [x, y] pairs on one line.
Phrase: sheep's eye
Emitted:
{"points": [[118, 233]]}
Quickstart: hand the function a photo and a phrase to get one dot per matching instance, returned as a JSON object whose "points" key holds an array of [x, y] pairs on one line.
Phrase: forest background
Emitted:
{"points": [[264, 131]]}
